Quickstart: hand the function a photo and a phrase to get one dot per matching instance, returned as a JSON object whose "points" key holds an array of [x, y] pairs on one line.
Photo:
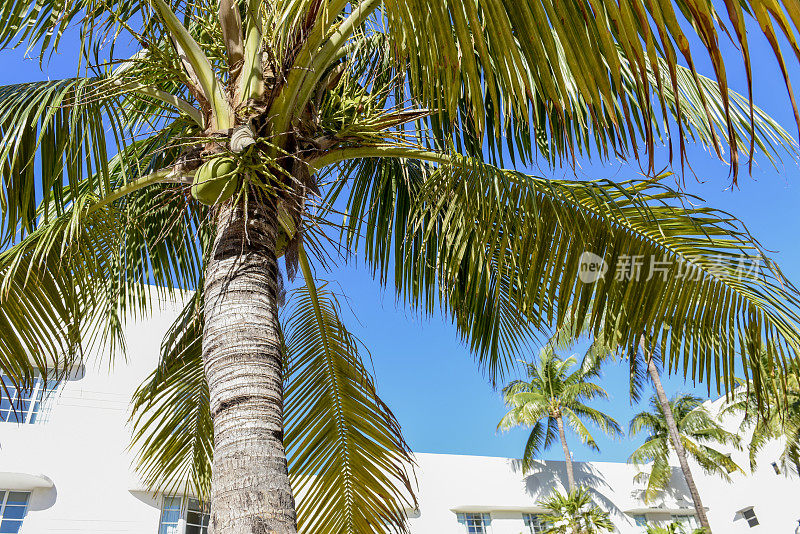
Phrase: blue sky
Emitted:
{"points": [[426, 374]]}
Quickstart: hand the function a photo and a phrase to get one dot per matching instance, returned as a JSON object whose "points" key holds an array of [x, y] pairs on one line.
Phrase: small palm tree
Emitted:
{"points": [[556, 390], [672, 528], [697, 431], [575, 513]]}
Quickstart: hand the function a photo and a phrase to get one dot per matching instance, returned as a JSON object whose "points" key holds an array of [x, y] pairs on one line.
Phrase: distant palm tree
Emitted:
{"points": [[776, 419], [644, 365], [696, 431], [553, 394], [575, 513]]}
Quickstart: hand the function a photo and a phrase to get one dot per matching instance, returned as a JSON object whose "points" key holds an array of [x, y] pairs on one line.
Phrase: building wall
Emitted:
{"points": [[82, 448]]}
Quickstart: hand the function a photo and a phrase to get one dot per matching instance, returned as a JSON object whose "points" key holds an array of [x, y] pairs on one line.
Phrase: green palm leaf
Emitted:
{"points": [[699, 434], [347, 459]]}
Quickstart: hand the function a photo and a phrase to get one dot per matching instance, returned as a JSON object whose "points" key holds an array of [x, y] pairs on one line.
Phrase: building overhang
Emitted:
{"points": [[661, 510], [474, 508], [10, 480]]}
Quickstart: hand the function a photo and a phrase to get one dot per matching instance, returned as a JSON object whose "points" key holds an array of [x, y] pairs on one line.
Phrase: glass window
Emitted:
{"points": [[535, 523], [640, 520], [27, 403], [13, 507], [197, 515], [475, 523], [183, 516], [750, 515], [170, 515]]}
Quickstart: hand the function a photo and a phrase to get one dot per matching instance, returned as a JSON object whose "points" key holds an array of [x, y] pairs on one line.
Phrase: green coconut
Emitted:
{"points": [[215, 181]]}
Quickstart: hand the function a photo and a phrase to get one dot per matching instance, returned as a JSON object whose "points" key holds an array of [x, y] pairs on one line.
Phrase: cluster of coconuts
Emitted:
{"points": [[217, 179]]}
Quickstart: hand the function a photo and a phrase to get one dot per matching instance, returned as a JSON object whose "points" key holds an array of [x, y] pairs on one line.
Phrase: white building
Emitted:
{"points": [[66, 470]]}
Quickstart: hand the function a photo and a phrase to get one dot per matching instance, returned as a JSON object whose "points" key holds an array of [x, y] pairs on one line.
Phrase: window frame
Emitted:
{"points": [[36, 396], [4, 506], [534, 522], [183, 523], [485, 517]]}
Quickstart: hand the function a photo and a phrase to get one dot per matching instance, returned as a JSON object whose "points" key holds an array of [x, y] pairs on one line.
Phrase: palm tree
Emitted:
{"points": [[697, 430], [199, 142], [604, 346], [775, 418], [553, 393], [575, 513]]}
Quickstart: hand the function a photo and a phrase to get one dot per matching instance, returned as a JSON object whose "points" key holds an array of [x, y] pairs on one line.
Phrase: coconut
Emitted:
{"points": [[215, 181]]}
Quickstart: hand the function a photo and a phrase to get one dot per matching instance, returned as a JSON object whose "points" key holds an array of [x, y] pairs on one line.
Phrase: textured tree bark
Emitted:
{"points": [[250, 490], [567, 456], [677, 445]]}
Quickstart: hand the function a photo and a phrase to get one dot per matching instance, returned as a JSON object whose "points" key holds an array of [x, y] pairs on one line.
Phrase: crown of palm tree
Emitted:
{"points": [[575, 513], [380, 110], [553, 390], [697, 430]]}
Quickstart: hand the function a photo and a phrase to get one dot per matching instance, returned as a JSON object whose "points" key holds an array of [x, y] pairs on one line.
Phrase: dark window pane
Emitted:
{"points": [[18, 497], [14, 512], [10, 527]]}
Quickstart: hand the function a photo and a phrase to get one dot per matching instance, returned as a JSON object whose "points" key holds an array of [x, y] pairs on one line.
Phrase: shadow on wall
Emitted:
{"points": [[550, 475], [676, 494], [546, 476]]}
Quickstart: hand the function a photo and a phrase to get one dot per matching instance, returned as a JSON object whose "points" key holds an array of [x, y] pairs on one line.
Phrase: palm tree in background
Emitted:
{"points": [[643, 366], [554, 396], [697, 432], [775, 417], [199, 142], [574, 513]]}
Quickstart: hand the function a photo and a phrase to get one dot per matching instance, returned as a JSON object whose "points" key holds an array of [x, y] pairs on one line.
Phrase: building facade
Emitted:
{"points": [[65, 468]]}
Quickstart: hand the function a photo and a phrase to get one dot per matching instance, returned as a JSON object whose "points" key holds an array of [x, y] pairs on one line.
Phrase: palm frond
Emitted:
{"points": [[173, 433], [57, 295], [614, 57], [347, 458], [718, 293]]}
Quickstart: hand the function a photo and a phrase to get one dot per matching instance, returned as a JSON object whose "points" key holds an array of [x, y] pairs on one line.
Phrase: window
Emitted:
{"points": [[640, 520], [181, 515], [750, 515], [535, 523], [13, 506], [197, 516], [25, 404], [475, 523]]}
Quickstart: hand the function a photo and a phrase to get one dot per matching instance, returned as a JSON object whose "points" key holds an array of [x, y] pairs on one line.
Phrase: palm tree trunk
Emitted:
{"points": [[250, 490], [567, 456], [677, 445]]}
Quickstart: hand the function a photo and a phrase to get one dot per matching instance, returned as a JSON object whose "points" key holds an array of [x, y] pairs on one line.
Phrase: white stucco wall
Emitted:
{"points": [[82, 449]]}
